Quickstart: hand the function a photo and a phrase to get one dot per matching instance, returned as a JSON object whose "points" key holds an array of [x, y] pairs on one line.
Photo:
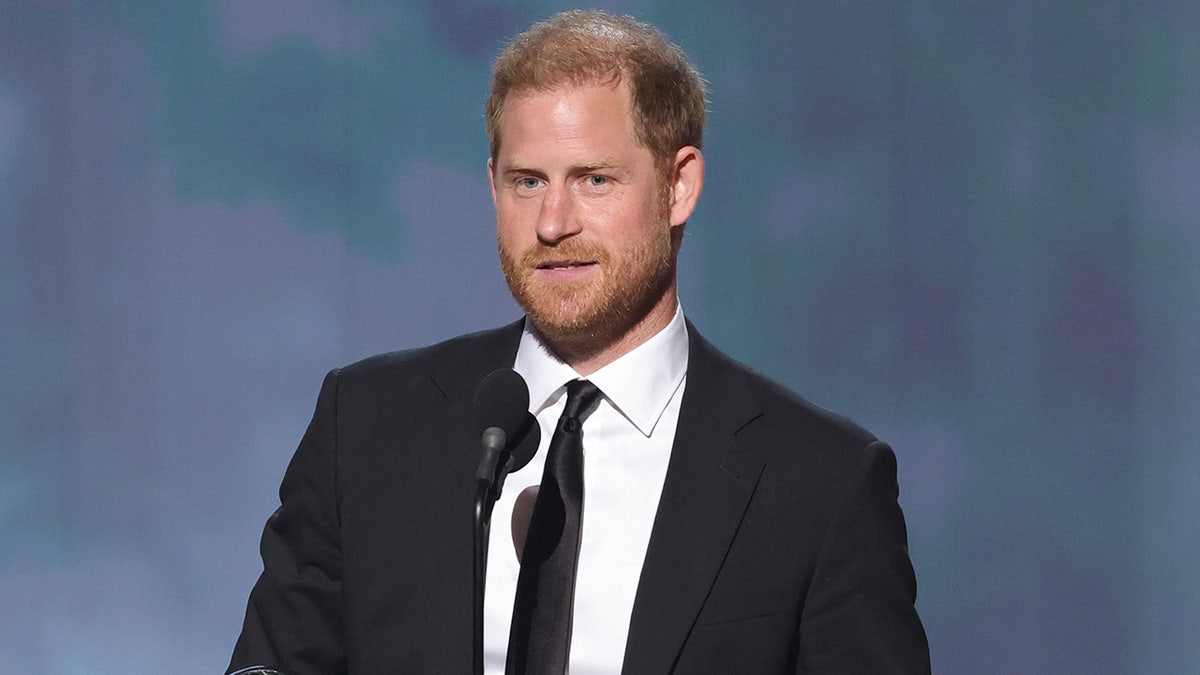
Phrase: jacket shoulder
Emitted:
{"points": [[466, 356], [787, 407], [770, 406]]}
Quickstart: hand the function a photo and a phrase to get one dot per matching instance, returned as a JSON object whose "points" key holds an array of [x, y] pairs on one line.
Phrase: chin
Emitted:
{"points": [[588, 317], [573, 329], [578, 331]]}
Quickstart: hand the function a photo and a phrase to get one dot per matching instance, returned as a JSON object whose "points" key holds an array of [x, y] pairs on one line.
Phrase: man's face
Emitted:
{"points": [[581, 216]]}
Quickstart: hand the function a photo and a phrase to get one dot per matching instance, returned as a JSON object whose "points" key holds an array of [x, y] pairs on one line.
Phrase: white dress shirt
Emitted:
{"points": [[626, 446]]}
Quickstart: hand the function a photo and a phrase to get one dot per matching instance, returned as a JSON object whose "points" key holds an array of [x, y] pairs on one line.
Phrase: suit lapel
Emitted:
{"points": [[709, 482], [458, 373]]}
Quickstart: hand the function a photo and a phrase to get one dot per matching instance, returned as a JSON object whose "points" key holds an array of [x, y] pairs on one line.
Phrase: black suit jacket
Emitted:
{"points": [[778, 545]]}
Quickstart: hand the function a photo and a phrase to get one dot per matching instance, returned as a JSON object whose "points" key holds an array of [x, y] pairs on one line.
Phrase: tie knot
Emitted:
{"points": [[581, 397]]}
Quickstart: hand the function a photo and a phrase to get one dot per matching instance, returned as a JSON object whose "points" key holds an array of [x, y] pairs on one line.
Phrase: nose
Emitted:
{"points": [[557, 218]]}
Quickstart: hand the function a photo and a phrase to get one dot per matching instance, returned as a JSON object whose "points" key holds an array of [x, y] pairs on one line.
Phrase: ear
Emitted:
{"points": [[492, 179], [687, 181]]}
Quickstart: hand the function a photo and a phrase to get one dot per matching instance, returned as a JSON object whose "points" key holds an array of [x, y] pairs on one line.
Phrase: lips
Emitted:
{"points": [[564, 264], [568, 260]]}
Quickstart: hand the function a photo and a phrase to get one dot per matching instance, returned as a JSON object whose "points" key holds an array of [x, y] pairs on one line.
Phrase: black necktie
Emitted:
{"points": [[540, 638]]}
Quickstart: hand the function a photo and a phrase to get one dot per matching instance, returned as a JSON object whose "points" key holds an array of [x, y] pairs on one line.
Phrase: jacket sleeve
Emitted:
{"points": [[859, 613], [294, 620]]}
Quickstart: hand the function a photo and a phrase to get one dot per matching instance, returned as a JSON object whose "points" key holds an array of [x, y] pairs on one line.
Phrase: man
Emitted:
{"points": [[727, 526]]}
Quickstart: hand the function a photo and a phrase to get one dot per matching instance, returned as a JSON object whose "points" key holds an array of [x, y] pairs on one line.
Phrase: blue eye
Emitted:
{"points": [[596, 181], [529, 182]]}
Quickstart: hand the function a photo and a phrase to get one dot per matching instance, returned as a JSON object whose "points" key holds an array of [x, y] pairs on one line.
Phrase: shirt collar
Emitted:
{"points": [[639, 384]]}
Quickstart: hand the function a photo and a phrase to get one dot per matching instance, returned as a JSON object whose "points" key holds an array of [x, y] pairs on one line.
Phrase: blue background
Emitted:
{"points": [[971, 226]]}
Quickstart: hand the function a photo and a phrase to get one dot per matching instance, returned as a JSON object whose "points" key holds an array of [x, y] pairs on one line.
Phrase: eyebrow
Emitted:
{"points": [[601, 164]]}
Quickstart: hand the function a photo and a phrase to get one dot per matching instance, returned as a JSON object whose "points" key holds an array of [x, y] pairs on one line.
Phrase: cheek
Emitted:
{"points": [[506, 238], [508, 222], [636, 221]]}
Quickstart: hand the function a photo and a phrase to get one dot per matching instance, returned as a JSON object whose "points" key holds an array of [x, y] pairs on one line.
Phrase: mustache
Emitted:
{"points": [[568, 249]]}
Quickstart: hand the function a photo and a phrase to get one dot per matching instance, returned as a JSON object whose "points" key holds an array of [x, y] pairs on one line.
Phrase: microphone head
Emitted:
{"points": [[525, 446], [502, 400]]}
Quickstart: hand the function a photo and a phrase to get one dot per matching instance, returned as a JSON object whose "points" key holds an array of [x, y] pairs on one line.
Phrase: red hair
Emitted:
{"points": [[593, 47]]}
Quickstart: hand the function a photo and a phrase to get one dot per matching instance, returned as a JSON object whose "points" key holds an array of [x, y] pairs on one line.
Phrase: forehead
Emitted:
{"points": [[573, 114]]}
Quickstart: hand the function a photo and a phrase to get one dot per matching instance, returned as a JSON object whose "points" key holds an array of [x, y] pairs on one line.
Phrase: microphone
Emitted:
{"points": [[521, 452], [530, 435], [501, 413]]}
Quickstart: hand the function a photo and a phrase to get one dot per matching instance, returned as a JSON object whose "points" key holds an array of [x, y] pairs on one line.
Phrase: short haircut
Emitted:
{"points": [[581, 47]]}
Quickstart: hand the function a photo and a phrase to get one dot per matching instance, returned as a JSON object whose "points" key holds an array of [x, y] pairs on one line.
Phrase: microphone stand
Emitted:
{"points": [[486, 479], [484, 501]]}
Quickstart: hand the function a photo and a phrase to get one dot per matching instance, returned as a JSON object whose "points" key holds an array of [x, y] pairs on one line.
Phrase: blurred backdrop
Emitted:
{"points": [[972, 226]]}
